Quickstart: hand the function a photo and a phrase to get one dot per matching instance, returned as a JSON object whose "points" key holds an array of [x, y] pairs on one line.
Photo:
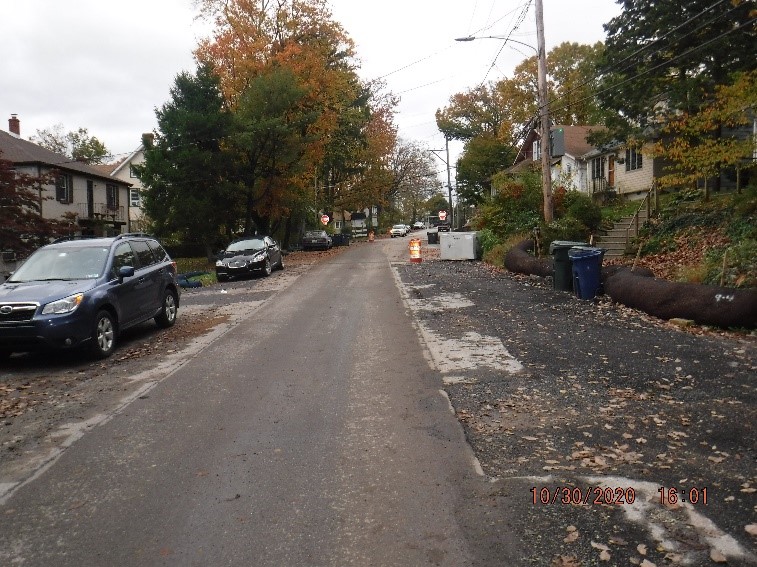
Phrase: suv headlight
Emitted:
{"points": [[219, 263], [259, 257], [65, 305]]}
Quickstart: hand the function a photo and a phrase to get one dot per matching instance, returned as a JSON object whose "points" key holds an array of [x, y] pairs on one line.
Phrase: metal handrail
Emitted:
{"points": [[635, 219]]}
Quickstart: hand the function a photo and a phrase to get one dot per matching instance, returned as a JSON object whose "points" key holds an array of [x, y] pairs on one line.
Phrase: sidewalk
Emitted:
{"points": [[594, 422]]}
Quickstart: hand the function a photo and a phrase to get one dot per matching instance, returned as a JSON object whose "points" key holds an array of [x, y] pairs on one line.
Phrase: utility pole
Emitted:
{"points": [[449, 179], [449, 187], [546, 166]]}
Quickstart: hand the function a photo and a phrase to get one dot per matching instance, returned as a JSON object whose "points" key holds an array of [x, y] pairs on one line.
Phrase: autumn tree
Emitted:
{"points": [[717, 137], [22, 228], [270, 140], [259, 38], [413, 179], [77, 145], [493, 119], [187, 166], [478, 117]]}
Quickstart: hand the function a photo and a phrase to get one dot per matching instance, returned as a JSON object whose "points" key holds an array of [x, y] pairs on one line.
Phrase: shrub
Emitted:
{"points": [[740, 265], [582, 208], [566, 228], [488, 239], [496, 255]]}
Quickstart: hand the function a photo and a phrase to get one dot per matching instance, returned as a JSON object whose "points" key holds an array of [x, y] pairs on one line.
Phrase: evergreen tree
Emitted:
{"points": [[187, 169]]}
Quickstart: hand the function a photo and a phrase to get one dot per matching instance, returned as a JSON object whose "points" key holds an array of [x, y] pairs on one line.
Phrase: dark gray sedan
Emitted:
{"points": [[316, 240], [248, 256]]}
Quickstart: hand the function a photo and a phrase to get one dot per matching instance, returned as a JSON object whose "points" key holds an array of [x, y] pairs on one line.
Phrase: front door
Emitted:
{"points": [[611, 171]]}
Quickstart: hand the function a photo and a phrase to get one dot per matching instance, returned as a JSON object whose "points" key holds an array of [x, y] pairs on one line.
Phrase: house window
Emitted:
{"points": [[132, 172], [111, 195], [598, 168], [135, 198], [633, 159], [338, 225], [536, 149], [64, 188]]}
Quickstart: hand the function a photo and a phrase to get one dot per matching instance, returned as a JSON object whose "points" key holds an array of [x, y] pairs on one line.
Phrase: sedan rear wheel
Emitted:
{"points": [[103, 335]]}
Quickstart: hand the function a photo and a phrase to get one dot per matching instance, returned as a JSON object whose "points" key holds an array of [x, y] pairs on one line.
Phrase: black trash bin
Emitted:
{"points": [[341, 239], [433, 237], [562, 267]]}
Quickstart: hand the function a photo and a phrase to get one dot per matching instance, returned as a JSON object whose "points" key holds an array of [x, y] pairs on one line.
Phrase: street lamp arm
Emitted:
{"points": [[500, 37]]}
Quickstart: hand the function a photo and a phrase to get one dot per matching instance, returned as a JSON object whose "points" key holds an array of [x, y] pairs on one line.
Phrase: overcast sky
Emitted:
{"points": [[105, 65]]}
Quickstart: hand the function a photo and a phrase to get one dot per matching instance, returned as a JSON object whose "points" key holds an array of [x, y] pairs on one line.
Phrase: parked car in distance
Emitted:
{"points": [[248, 256], [443, 227], [83, 292], [316, 240], [418, 225], [398, 230]]}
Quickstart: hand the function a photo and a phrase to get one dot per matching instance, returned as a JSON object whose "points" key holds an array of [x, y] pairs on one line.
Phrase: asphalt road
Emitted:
{"points": [[311, 431], [371, 411]]}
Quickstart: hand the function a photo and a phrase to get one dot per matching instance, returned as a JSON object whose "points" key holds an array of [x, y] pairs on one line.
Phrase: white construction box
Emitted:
{"points": [[459, 246]]}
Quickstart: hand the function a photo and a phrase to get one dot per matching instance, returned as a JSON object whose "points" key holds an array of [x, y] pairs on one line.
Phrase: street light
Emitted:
{"points": [[507, 40], [546, 167]]}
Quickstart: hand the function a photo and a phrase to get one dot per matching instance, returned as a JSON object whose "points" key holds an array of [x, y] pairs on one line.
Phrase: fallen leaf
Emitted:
{"points": [[565, 561], [600, 546], [646, 563], [571, 537], [604, 556], [717, 557], [751, 529], [642, 549]]}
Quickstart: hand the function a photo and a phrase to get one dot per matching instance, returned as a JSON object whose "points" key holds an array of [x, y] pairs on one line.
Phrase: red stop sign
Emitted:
{"points": [[442, 215], [325, 219]]}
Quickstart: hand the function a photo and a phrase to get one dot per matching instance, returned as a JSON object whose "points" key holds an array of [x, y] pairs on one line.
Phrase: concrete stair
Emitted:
{"points": [[615, 240]]}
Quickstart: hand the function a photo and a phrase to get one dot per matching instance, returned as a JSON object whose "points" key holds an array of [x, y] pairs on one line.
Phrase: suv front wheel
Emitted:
{"points": [[167, 316], [103, 335]]}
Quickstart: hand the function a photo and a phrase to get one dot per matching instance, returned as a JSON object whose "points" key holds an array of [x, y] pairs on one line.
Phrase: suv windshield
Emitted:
{"points": [[316, 234], [63, 264], [242, 245]]}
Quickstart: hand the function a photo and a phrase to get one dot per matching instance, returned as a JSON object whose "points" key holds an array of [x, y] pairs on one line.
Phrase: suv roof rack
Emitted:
{"points": [[134, 234], [73, 237]]}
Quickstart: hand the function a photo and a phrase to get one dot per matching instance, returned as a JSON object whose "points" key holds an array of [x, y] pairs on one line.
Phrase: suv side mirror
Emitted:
{"points": [[125, 272]]}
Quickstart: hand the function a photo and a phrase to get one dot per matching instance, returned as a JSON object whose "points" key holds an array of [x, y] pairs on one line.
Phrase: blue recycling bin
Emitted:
{"points": [[587, 270]]}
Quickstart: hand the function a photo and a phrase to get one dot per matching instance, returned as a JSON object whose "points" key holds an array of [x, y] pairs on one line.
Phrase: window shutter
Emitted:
{"points": [[60, 190], [70, 192]]}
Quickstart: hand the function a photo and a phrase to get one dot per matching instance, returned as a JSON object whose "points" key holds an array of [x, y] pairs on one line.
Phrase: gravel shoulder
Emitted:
{"points": [[590, 414]]}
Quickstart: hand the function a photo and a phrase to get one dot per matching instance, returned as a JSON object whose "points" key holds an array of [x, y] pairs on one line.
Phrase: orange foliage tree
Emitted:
{"points": [[329, 113]]}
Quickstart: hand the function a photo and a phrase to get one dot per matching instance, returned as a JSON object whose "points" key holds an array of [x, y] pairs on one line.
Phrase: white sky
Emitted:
{"points": [[105, 65]]}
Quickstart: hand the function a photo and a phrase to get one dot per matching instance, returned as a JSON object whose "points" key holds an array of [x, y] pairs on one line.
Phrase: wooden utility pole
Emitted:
{"points": [[546, 166]]}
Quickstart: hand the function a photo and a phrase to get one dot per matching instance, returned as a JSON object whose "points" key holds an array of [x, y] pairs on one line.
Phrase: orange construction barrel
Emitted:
{"points": [[415, 250]]}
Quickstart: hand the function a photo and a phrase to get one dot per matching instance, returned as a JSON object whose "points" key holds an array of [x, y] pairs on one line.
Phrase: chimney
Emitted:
{"points": [[14, 125]]}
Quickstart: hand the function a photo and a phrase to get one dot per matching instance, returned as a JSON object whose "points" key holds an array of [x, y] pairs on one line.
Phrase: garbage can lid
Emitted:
{"points": [[584, 252], [559, 244]]}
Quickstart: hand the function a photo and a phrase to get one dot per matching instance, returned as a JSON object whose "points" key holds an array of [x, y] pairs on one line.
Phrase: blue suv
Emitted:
{"points": [[83, 292]]}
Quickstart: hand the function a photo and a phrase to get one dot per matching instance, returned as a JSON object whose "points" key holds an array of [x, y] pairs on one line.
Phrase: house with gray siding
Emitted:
{"points": [[96, 201]]}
